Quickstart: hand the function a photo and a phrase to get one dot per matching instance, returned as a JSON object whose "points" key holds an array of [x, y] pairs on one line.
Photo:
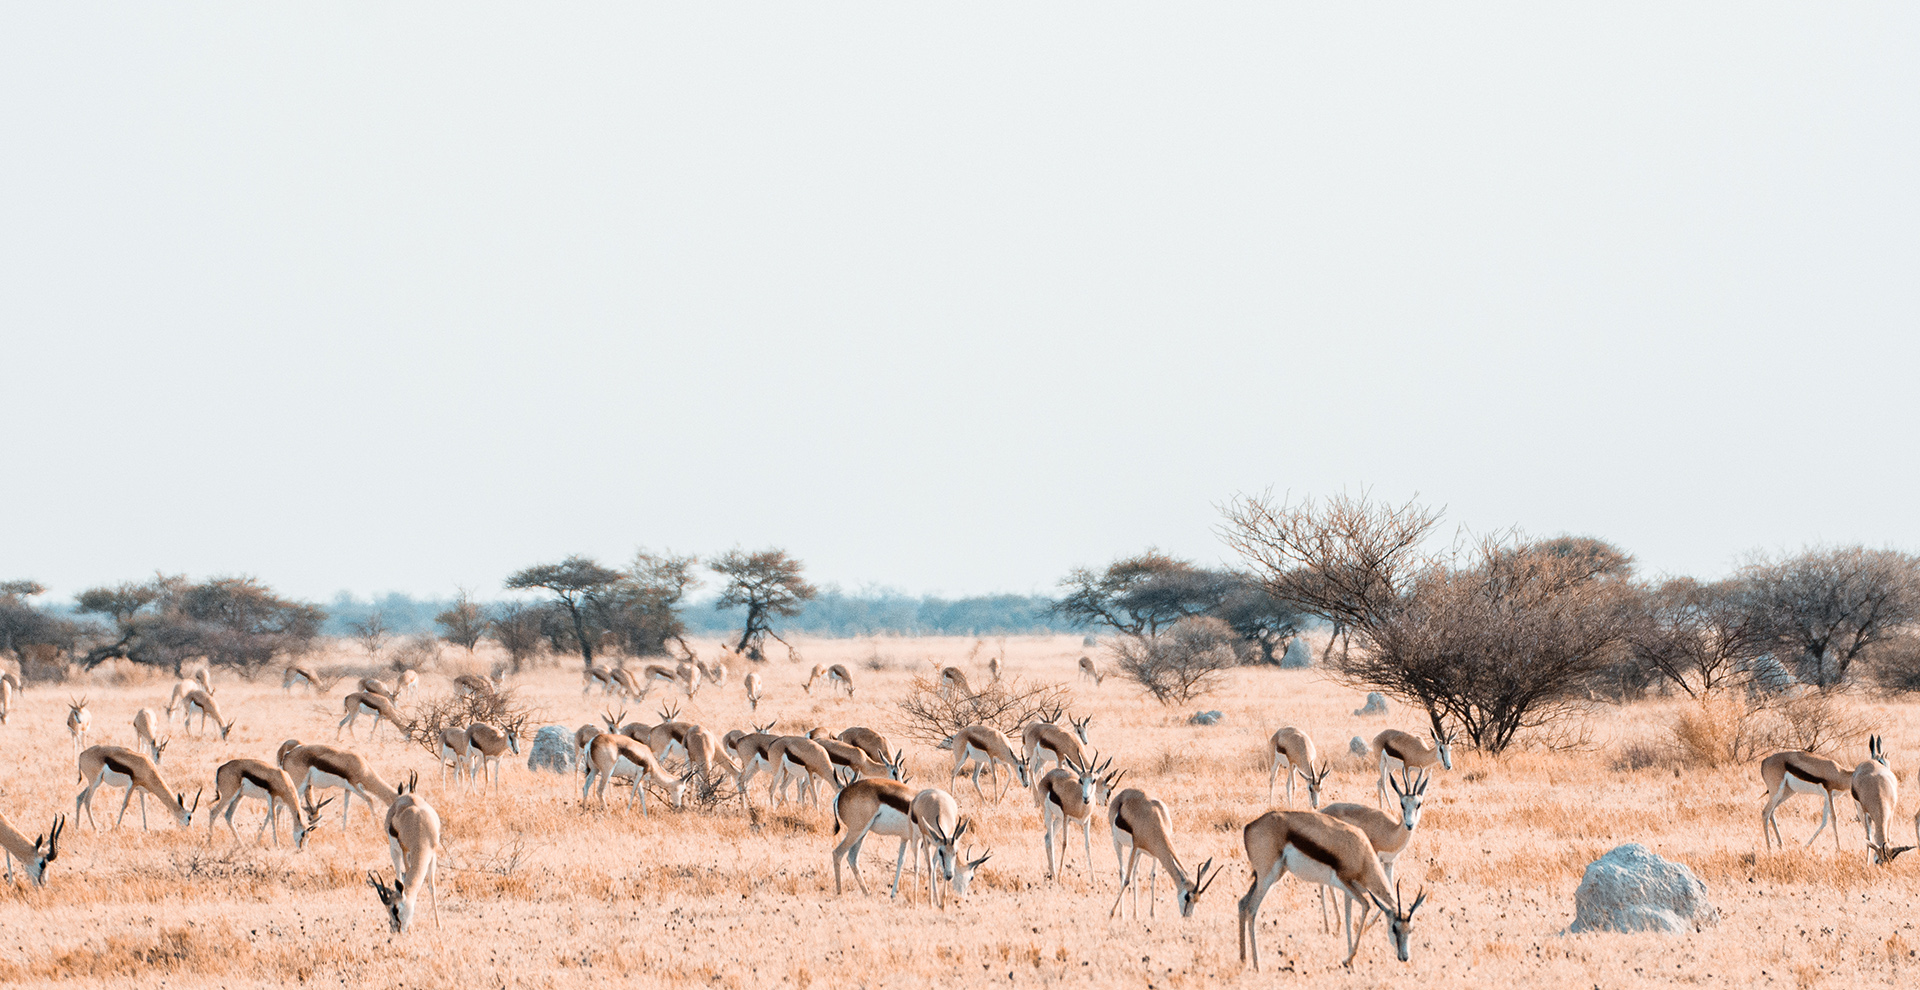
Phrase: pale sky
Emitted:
{"points": [[944, 297]]}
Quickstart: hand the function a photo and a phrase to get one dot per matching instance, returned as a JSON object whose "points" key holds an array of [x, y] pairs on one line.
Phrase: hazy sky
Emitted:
{"points": [[945, 297]]}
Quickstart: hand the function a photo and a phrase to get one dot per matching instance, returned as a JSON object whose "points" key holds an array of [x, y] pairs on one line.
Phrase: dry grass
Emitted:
{"points": [[537, 892]]}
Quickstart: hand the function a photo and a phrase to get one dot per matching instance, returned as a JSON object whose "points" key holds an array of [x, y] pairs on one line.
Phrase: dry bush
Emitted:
{"points": [[1185, 662], [421, 652], [1721, 728], [928, 716], [501, 709], [1819, 720]]}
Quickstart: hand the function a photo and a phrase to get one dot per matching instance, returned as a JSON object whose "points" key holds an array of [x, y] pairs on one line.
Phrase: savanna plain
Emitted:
{"points": [[537, 891]]}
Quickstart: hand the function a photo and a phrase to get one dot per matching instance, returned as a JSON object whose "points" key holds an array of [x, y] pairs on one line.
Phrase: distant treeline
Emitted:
{"points": [[833, 613]]}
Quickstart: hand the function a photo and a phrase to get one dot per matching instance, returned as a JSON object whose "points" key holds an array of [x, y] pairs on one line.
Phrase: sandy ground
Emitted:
{"points": [[538, 892]]}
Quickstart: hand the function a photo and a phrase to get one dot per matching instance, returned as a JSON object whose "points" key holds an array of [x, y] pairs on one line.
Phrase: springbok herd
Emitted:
{"points": [[860, 776]]}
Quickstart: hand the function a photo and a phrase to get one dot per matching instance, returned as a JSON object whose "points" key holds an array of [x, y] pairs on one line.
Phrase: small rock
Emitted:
{"points": [[1359, 747], [1089, 640], [1766, 673], [1376, 704], [552, 750], [1632, 890], [1299, 655], [1205, 718]]}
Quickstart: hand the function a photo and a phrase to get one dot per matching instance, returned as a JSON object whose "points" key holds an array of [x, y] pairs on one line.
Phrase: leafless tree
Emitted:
{"points": [[931, 717], [516, 627], [1827, 607], [464, 624], [1698, 636], [372, 633]]}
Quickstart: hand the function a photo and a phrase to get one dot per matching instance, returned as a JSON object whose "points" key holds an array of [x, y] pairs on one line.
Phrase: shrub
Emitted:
{"points": [[1181, 664], [1007, 705]]}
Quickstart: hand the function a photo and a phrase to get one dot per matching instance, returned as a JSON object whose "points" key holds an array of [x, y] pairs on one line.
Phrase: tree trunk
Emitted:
{"points": [[580, 633]]}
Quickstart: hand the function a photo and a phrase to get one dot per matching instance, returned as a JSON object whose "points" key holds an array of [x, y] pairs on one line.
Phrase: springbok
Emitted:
{"points": [[938, 829], [313, 765], [600, 677], [413, 840], [6, 695], [455, 754], [486, 745], [1044, 742], [237, 779], [870, 742], [1876, 792], [475, 686], [985, 747], [117, 766], [690, 675], [1321, 850], [79, 720], [1794, 771], [201, 703], [33, 856], [369, 703], [953, 684], [873, 806], [611, 755], [1090, 671], [837, 677], [800, 757], [1388, 835], [1293, 751], [143, 734], [297, 675], [1067, 796], [1140, 824], [1396, 750], [752, 682]]}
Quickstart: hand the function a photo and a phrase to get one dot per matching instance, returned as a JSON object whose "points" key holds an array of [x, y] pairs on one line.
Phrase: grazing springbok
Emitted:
{"points": [[143, 734], [798, 757], [984, 747], [313, 765], [1323, 850], [752, 682], [201, 703], [870, 742], [611, 755], [371, 703], [1394, 750], [690, 675], [994, 669], [837, 677], [953, 684], [374, 685], [1876, 792], [237, 779], [456, 755], [753, 751], [938, 828], [1796, 771], [1090, 671], [1293, 751], [1044, 742], [705, 757], [33, 856], [600, 677], [79, 720], [1140, 824], [203, 677], [296, 676], [413, 840], [1067, 796], [117, 766], [475, 686]]}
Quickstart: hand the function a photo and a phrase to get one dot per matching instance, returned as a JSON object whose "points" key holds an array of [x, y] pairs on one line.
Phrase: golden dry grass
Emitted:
{"points": [[538, 892]]}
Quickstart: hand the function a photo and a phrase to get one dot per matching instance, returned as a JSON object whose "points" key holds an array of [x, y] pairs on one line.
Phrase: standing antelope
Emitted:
{"points": [[994, 669], [200, 702], [143, 734], [180, 689], [600, 677], [6, 696], [369, 703], [33, 856], [1045, 742], [1396, 750], [753, 751], [611, 755], [659, 674], [837, 677], [1090, 671], [79, 720], [406, 684], [238, 779], [117, 766], [706, 758], [413, 839], [690, 675], [486, 745], [938, 829], [297, 675], [1388, 835], [953, 684], [1067, 796], [1326, 851], [314, 765], [1293, 751], [1796, 771], [203, 677], [985, 747], [1140, 824], [1876, 792], [752, 682], [455, 753], [871, 806]]}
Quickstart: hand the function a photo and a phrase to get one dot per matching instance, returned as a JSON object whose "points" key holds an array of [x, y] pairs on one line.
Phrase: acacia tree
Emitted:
{"points": [[25, 628], [1827, 607], [1497, 639], [231, 621], [767, 583], [464, 623], [1139, 596], [579, 586]]}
